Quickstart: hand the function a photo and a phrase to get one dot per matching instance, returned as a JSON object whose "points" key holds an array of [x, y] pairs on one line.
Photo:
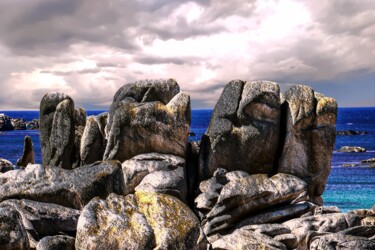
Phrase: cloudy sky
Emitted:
{"points": [[88, 49]]}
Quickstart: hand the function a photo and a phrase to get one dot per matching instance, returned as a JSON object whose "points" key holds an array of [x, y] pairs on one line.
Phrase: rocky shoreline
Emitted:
{"points": [[129, 178]]}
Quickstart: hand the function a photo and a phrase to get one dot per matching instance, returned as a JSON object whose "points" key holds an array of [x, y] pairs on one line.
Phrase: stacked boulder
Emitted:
{"points": [[129, 178]]}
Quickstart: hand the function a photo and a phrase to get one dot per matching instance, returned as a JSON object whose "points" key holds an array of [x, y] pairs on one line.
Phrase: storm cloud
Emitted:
{"points": [[88, 49]]}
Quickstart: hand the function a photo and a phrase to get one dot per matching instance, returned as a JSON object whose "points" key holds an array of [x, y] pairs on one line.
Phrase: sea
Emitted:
{"points": [[348, 188]]}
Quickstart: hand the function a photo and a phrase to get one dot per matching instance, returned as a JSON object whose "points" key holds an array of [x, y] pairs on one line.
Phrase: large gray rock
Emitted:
{"points": [[5, 123], [148, 116], [309, 134], [155, 172], [139, 221], [28, 153], [40, 219], [79, 126], [13, 235], [70, 188], [5, 165], [226, 205], [94, 140], [341, 241], [57, 130], [244, 129], [57, 242]]}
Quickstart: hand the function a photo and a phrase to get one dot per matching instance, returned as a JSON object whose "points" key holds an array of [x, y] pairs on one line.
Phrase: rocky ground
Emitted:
{"points": [[129, 178]]}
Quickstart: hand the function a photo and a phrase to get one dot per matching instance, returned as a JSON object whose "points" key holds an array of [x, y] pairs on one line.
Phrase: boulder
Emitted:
{"points": [[40, 219], [79, 126], [155, 172], [368, 161], [243, 133], [349, 149], [18, 123], [69, 188], [57, 130], [340, 241], [28, 153], [12, 233], [249, 200], [148, 116], [94, 140], [57, 242], [5, 123], [139, 221], [309, 134], [32, 125], [5, 165]]}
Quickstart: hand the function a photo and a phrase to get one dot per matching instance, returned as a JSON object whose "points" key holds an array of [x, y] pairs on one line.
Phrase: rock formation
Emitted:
{"points": [[79, 126], [5, 123], [18, 124], [5, 165], [28, 153], [349, 149]]}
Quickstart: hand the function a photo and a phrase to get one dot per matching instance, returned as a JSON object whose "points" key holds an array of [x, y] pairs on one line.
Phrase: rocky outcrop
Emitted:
{"points": [[18, 123], [70, 188], [93, 142], [139, 221], [349, 149], [148, 116], [57, 242], [57, 130], [5, 165], [155, 172], [244, 129], [32, 125], [28, 153], [309, 120], [79, 126], [12, 233], [5, 123], [351, 132]]}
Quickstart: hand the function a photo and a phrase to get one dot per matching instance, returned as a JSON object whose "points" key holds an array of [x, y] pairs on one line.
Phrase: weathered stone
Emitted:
{"points": [[325, 223], [57, 130], [5, 165], [139, 221], [28, 153], [289, 240], [32, 125], [18, 123], [340, 241], [244, 129], [5, 123], [349, 149], [351, 132], [40, 218], [309, 132], [79, 126], [148, 116], [57, 242], [94, 140], [70, 188], [246, 239], [368, 161], [192, 170], [13, 235]]}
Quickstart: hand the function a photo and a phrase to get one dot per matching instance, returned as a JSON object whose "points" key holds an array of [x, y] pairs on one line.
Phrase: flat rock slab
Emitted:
{"points": [[69, 188], [140, 221]]}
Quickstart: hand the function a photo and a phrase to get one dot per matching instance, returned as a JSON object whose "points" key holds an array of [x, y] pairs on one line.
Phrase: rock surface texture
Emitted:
{"points": [[5, 165], [12, 233], [148, 116], [28, 153]]}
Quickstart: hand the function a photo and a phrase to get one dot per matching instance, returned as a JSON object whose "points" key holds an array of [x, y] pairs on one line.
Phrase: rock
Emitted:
{"points": [[325, 223], [349, 165], [192, 170], [57, 242], [351, 132], [243, 133], [28, 153], [32, 125], [18, 123], [246, 239], [250, 196], [5, 123], [12, 233], [40, 219], [69, 188], [368, 161], [93, 142], [348, 149], [148, 116], [289, 240], [309, 132], [79, 126], [155, 172], [139, 221], [5, 165], [340, 241], [57, 130]]}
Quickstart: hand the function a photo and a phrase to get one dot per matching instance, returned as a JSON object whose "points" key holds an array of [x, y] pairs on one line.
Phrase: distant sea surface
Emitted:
{"points": [[347, 187]]}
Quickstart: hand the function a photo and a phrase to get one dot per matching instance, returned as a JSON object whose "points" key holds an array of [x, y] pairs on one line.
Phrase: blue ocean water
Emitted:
{"points": [[347, 187]]}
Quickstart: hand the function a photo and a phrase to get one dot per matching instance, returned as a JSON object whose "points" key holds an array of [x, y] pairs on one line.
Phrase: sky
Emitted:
{"points": [[88, 49]]}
